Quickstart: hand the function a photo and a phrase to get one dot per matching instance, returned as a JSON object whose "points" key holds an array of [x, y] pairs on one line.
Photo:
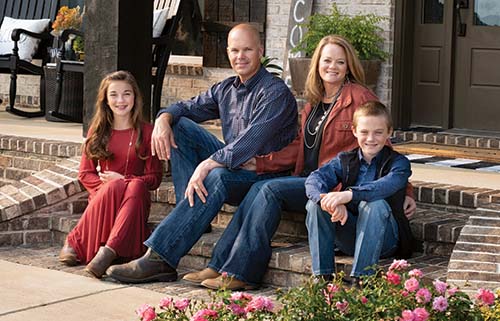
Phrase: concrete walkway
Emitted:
{"points": [[32, 293]]}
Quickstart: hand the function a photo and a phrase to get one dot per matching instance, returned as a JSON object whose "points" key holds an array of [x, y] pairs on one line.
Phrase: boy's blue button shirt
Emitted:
{"points": [[324, 179], [258, 116]]}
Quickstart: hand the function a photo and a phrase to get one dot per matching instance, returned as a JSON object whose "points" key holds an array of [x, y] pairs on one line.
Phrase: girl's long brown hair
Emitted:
{"points": [[314, 85], [95, 147]]}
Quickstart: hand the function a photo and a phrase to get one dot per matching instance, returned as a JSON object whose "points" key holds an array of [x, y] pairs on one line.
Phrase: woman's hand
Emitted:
{"points": [[250, 165], [108, 176]]}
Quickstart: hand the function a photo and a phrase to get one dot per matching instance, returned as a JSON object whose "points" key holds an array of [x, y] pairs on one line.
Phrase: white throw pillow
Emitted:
{"points": [[159, 20], [27, 45]]}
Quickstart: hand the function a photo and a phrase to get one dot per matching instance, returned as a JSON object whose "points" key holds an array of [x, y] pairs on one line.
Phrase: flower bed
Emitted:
{"points": [[398, 294]]}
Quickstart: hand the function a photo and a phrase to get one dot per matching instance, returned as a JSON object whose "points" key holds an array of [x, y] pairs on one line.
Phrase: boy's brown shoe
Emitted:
{"points": [[227, 283], [198, 277]]}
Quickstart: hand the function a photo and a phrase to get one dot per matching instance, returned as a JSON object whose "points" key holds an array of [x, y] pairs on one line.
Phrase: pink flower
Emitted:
{"points": [[181, 304], [421, 314], [440, 303], [423, 295], [398, 265], [260, 304], [452, 291], [364, 300], [485, 297], [412, 285], [407, 315], [332, 288], [404, 293], [224, 275], [393, 278], [241, 296], [416, 273], [343, 306], [146, 312], [440, 286], [237, 309], [204, 315], [166, 302]]}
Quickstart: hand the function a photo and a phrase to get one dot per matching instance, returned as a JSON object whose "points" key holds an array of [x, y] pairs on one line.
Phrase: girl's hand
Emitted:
{"points": [[109, 176]]}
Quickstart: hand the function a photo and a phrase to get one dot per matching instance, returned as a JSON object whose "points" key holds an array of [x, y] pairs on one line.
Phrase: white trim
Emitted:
{"points": [[189, 60]]}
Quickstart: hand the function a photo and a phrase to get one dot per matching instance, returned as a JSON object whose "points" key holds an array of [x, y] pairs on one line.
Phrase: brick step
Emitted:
{"points": [[291, 262], [453, 139], [30, 230], [436, 225]]}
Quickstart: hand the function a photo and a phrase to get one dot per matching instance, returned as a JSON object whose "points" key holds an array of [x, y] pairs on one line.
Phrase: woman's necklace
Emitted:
{"points": [[326, 112], [98, 167]]}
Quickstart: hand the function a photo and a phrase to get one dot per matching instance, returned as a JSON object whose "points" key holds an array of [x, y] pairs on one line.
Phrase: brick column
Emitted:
{"points": [[118, 36]]}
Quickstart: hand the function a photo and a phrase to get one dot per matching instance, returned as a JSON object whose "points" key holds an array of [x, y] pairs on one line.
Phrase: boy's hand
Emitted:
{"points": [[330, 201], [409, 206], [340, 214]]}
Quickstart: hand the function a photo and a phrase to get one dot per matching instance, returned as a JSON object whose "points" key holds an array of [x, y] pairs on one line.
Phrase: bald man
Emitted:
{"points": [[258, 114]]}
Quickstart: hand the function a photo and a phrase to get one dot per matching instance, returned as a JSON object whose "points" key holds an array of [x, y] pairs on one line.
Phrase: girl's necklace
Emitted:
{"points": [[98, 167]]}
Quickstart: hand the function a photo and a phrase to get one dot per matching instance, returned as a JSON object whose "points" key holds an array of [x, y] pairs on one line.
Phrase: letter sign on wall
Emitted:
{"points": [[300, 10]]}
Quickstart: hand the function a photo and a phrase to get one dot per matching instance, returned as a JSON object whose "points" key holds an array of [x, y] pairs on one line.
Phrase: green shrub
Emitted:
{"points": [[361, 30]]}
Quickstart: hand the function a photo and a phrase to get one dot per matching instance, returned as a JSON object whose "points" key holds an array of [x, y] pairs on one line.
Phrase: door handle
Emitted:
{"points": [[461, 27]]}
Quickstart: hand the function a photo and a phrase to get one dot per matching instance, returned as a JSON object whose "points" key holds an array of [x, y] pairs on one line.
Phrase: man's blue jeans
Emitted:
{"points": [[180, 230], [244, 249], [372, 234]]}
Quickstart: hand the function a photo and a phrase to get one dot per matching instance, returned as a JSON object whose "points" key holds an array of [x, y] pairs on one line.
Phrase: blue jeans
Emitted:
{"points": [[244, 249], [372, 234], [182, 228]]}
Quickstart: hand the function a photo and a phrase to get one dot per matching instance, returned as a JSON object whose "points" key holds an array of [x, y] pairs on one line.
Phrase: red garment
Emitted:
{"points": [[118, 211], [337, 134]]}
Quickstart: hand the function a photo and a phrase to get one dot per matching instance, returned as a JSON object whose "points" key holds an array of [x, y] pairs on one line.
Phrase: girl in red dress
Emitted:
{"points": [[118, 171]]}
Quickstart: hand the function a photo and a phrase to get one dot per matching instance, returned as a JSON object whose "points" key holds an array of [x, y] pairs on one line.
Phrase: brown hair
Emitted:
{"points": [[95, 147], [314, 85], [372, 108]]}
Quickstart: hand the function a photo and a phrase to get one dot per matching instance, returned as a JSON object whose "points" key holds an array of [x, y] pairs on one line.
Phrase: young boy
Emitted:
{"points": [[365, 219]]}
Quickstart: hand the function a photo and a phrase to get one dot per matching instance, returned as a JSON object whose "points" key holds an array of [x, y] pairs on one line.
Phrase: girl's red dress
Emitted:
{"points": [[118, 211]]}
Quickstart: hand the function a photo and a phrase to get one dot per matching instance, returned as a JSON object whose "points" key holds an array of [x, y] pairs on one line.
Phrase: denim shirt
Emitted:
{"points": [[367, 187], [258, 116]]}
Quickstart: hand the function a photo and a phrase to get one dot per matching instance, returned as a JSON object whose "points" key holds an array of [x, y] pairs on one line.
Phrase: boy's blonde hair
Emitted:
{"points": [[372, 108]]}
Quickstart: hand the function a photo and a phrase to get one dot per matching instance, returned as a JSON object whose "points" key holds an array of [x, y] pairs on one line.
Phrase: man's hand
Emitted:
{"points": [[250, 165], [162, 138], [108, 176], [409, 206], [330, 201], [195, 184]]}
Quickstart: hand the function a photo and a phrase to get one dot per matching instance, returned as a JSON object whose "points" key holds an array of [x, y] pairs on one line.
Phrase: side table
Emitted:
{"points": [[71, 104]]}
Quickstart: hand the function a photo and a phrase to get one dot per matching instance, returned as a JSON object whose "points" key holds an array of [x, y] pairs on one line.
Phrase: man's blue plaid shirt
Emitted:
{"points": [[258, 116]]}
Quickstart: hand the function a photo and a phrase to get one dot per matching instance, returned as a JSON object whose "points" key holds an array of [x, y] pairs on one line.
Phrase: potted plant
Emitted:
{"points": [[361, 30]]}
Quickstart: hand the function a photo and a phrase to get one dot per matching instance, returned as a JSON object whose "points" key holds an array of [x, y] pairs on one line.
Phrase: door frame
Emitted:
{"points": [[403, 64]]}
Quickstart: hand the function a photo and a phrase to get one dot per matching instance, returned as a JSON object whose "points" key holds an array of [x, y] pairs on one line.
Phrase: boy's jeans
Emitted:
{"points": [[180, 230], [370, 235]]}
